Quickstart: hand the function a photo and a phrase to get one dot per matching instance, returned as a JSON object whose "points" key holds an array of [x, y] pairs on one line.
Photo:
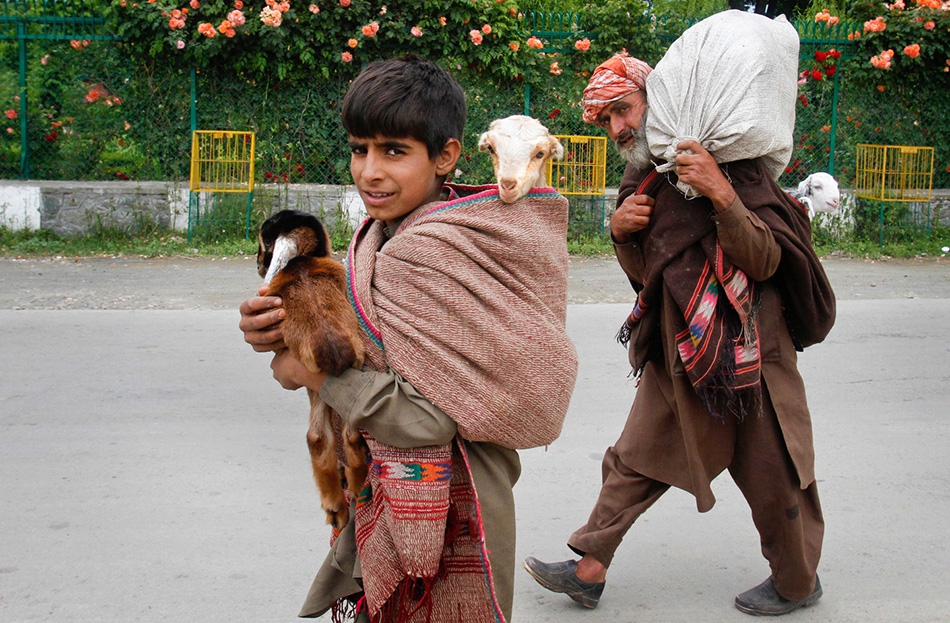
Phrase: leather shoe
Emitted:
{"points": [[764, 600], [561, 577]]}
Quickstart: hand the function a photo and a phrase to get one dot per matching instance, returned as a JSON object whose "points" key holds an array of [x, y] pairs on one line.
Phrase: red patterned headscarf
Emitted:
{"points": [[613, 79]]}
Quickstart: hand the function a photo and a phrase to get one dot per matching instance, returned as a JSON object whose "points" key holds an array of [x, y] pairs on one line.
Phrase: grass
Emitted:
{"points": [[118, 243], [162, 243]]}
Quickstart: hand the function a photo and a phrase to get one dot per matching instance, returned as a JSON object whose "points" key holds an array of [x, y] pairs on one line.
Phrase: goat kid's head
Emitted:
{"points": [[519, 147], [286, 235], [819, 192]]}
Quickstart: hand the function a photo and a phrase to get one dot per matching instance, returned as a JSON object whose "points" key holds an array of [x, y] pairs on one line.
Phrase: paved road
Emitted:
{"points": [[203, 283], [151, 471]]}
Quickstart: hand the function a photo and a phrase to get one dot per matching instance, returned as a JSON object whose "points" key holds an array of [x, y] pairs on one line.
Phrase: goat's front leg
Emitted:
{"points": [[326, 466], [357, 460]]}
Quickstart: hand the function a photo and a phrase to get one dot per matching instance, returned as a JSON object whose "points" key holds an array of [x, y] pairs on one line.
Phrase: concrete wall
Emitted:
{"points": [[939, 204], [73, 208]]}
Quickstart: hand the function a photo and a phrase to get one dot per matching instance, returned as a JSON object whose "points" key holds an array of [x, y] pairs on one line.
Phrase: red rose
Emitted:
{"points": [[816, 75], [821, 56], [830, 71]]}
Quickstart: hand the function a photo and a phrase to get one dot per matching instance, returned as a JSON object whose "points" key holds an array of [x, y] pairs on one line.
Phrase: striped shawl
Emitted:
{"points": [[467, 301], [717, 338]]}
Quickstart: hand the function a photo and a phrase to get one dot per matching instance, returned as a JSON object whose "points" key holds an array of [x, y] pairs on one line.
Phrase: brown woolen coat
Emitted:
{"points": [[678, 441]]}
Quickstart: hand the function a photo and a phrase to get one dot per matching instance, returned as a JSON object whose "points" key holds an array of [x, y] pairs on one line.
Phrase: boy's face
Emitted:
{"points": [[394, 176]]}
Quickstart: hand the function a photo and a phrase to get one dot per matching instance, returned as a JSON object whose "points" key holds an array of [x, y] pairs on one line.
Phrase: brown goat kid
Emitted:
{"points": [[321, 330]]}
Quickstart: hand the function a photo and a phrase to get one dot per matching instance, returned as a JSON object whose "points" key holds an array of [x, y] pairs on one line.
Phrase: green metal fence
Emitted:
{"points": [[48, 22], [75, 107]]}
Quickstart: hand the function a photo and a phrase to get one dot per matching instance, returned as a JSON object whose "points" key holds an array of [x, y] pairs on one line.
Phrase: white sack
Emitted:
{"points": [[729, 82]]}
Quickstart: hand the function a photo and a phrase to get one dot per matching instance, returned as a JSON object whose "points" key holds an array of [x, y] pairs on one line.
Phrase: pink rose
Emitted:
{"points": [[370, 30]]}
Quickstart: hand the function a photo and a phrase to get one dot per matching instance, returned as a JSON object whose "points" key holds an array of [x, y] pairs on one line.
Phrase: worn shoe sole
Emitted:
{"points": [[808, 601], [584, 600]]}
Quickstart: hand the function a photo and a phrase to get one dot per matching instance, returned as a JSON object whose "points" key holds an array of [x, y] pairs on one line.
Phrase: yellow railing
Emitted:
{"points": [[583, 170], [894, 172], [222, 161]]}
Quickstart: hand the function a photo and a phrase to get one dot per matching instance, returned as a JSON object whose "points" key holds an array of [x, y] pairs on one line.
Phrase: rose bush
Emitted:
{"points": [[904, 44], [296, 38]]}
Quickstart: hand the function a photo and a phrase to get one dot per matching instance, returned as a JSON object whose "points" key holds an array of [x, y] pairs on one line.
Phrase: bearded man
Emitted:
{"points": [[713, 338]]}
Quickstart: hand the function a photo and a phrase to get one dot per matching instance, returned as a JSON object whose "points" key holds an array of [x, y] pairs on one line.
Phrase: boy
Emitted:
{"points": [[463, 302]]}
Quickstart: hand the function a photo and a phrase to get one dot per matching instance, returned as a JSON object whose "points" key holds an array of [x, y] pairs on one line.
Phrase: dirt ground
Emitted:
{"points": [[222, 283]]}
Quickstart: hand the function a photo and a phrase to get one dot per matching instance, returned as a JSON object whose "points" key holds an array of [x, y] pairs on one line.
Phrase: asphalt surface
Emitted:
{"points": [[150, 469]]}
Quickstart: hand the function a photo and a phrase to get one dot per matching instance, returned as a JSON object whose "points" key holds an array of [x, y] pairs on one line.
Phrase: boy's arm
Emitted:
{"points": [[388, 407]]}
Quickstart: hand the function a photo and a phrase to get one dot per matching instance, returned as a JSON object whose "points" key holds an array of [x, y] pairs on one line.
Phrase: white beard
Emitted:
{"points": [[637, 151]]}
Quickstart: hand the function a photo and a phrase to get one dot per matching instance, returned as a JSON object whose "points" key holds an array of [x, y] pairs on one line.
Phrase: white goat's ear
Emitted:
{"points": [[804, 188], [557, 149], [483, 142]]}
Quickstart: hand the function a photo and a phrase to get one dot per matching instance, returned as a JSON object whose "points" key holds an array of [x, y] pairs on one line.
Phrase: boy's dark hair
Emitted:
{"points": [[406, 96]]}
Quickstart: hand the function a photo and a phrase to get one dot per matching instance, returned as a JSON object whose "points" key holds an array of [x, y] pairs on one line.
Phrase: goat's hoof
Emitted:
{"points": [[339, 518]]}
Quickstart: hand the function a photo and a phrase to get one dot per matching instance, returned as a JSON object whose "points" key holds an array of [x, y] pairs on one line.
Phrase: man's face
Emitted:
{"points": [[623, 115], [624, 121]]}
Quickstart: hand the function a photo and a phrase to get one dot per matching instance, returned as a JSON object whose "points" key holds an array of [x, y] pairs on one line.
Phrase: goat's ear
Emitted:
{"points": [[557, 149], [484, 142], [803, 188]]}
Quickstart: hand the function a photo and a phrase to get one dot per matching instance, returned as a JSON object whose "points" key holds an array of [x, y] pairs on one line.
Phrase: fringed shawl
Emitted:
{"points": [[718, 337], [467, 301]]}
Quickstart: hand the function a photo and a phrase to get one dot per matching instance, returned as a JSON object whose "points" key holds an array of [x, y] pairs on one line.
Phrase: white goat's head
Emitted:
{"points": [[520, 147], [819, 192]]}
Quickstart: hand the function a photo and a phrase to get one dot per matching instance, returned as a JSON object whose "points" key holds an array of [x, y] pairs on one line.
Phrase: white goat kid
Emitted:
{"points": [[818, 192], [520, 147]]}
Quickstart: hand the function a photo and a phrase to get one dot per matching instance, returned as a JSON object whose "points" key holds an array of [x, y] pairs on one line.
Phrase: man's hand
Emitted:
{"points": [[632, 216], [291, 374], [260, 321], [701, 171]]}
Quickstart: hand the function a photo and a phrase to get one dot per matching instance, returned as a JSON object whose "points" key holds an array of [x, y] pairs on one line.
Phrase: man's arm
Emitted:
{"points": [[745, 239], [632, 216]]}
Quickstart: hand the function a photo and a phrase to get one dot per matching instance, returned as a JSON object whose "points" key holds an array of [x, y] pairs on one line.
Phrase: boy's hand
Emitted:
{"points": [[260, 321], [291, 374]]}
